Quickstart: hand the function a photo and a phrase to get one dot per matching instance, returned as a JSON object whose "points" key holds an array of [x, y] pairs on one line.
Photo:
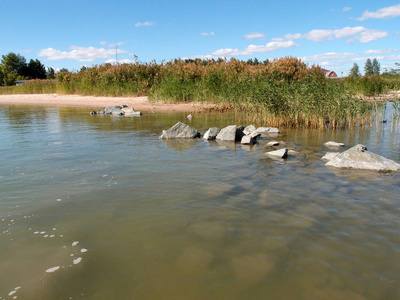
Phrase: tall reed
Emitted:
{"points": [[284, 91]]}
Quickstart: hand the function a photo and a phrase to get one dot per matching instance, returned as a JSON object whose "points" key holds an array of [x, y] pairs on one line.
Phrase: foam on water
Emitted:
{"points": [[77, 261], [52, 270]]}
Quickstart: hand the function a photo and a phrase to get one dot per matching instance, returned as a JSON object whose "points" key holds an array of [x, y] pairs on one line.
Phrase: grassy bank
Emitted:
{"points": [[31, 87], [282, 92]]}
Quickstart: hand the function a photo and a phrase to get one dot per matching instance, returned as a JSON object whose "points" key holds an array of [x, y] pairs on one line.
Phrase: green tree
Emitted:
{"points": [[355, 71], [368, 70], [50, 73], [13, 67], [376, 67], [35, 70]]}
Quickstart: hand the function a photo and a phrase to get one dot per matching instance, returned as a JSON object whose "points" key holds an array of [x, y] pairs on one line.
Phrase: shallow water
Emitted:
{"points": [[98, 207]]}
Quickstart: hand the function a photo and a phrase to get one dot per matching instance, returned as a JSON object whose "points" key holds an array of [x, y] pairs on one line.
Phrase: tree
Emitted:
{"points": [[51, 74], [13, 66], [355, 71], [376, 67], [368, 70], [35, 70]]}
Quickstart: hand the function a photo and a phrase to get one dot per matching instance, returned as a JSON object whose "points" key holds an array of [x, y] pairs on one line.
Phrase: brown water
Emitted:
{"points": [[112, 212]]}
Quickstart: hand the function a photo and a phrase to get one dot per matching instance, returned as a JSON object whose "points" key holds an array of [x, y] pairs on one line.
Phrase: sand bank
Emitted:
{"points": [[94, 103]]}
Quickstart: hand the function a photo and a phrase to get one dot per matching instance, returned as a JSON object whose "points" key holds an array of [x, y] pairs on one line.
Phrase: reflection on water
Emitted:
{"points": [[126, 215]]}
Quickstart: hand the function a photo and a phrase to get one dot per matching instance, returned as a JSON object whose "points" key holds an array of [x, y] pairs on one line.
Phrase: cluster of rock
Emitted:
{"points": [[232, 133], [356, 157], [117, 110]]}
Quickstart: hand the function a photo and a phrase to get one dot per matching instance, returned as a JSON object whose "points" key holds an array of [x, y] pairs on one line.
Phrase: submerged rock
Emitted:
{"points": [[179, 131], [230, 133], [333, 144], [268, 130], [131, 112], [358, 157], [211, 133], [281, 153], [273, 143]]}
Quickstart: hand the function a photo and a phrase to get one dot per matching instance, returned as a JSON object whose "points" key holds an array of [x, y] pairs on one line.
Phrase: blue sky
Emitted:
{"points": [[71, 34]]}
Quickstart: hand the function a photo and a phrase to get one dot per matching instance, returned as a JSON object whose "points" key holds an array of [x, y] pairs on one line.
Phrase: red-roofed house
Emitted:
{"points": [[329, 74]]}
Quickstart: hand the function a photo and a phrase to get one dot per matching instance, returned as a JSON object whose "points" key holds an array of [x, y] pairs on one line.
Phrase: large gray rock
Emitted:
{"points": [[114, 110], [248, 140], [211, 133], [330, 155], [249, 129], [358, 157], [230, 133], [281, 153], [179, 131]]}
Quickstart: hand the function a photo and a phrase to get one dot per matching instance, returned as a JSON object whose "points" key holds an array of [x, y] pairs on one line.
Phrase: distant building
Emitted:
{"points": [[20, 82], [329, 74]]}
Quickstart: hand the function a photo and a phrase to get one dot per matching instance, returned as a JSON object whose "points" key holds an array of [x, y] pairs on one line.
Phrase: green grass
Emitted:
{"points": [[31, 87]]}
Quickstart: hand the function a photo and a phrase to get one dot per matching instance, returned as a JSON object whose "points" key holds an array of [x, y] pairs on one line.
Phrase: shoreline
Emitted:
{"points": [[95, 103]]}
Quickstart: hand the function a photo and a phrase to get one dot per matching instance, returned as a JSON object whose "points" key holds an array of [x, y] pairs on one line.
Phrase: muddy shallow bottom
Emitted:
{"points": [[99, 208]]}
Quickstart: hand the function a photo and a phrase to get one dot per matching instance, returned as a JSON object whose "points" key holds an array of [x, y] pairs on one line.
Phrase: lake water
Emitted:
{"points": [[98, 207]]}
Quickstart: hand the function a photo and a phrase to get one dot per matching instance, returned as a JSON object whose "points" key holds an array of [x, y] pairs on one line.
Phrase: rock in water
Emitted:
{"points": [[114, 111], [179, 131], [230, 133], [330, 155], [268, 130], [281, 153], [248, 140], [249, 129], [211, 133], [273, 143], [358, 157], [333, 144], [131, 112]]}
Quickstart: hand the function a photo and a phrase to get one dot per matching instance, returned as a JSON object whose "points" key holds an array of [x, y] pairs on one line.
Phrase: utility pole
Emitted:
{"points": [[116, 54]]}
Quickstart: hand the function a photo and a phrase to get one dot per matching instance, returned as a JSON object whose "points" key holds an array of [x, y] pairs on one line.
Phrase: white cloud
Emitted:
{"points": [[332, 63], [393, 57], [346, 8], [359, 33], [144, 24], [382, 51], [79, 53], [328, 56], [207, 33], [382, 13], [371, 57], [295, 36], [251, 49], [255, 35]]}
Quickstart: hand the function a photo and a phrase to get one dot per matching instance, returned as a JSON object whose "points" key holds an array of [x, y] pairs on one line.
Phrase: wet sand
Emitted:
{"points": [[138, 103]]}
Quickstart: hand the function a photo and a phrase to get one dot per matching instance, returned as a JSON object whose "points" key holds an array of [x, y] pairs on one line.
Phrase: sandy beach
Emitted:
{"points": [[95, 103]]}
